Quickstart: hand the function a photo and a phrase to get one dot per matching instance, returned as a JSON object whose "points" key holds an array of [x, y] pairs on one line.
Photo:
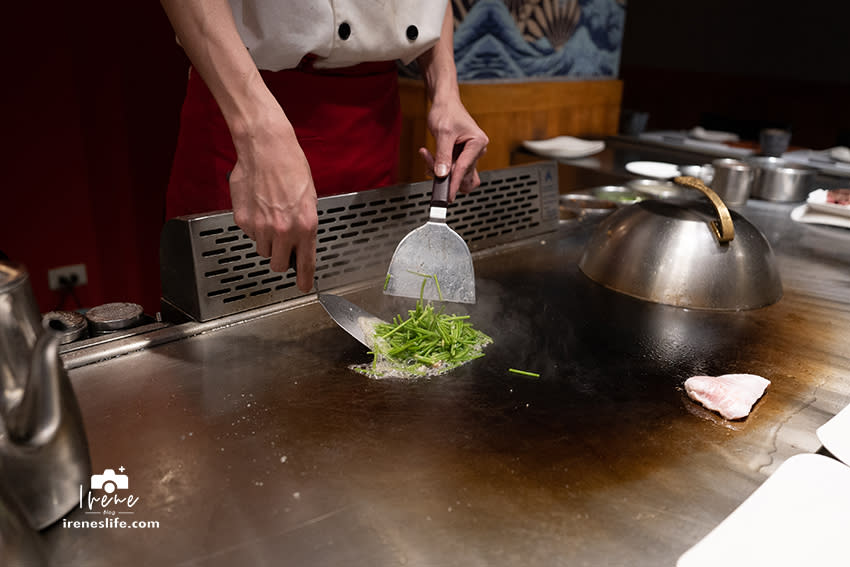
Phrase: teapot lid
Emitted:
{"points": [[11, 275]]}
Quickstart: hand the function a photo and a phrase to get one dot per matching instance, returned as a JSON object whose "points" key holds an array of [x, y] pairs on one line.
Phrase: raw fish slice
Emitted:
{"points": [[731, 395]]}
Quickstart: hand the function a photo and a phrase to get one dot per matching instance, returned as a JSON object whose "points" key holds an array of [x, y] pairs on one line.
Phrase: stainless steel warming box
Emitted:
{"points": [[210, 268], [251, 442]]}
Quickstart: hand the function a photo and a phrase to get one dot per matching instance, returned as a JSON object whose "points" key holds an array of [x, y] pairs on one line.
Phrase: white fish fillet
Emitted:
{"points": [[731, 395]]}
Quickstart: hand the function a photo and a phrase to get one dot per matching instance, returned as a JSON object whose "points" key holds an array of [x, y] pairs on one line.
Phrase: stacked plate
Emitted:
{"points": [[564, 147], [818, 210]]}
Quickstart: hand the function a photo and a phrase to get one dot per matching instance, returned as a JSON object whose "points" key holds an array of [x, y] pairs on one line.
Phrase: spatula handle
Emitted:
{"points": [[440, 192]]}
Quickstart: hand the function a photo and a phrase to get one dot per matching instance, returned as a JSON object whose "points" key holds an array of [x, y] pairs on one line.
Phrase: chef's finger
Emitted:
{"points": [[429, 160], [443, 153], [265, 234], [281, 252], [465, 165], [305, 256], [470, 181], [264, 242]]}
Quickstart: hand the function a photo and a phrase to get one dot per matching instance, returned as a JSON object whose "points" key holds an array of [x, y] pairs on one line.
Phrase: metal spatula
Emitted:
{"points": [[435, 255], [359, 323]]}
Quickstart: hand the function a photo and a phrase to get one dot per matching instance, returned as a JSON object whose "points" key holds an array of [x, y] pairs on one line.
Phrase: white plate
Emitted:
{"points": [[798, 516], [712, 135], [564, 147], [655, 169], [835, 435], [805, 213], [817, 201]]}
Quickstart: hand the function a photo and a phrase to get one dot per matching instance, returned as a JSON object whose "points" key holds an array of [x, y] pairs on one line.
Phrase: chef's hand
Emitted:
{"points": [[460, 142], [274, 200]]}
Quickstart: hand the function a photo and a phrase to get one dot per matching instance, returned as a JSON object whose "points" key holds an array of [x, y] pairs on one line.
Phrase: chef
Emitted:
{"points": [[290, 99]]}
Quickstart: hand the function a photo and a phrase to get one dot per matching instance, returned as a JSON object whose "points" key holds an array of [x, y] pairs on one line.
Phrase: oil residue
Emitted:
{"points": [[425, 347], [385, 367]]}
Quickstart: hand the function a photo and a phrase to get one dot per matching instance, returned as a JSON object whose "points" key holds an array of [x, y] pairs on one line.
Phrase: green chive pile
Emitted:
{"points": [[427, 343]]}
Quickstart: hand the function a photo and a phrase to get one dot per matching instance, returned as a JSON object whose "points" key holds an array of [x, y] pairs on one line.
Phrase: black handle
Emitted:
{"points": [[440, 192]]}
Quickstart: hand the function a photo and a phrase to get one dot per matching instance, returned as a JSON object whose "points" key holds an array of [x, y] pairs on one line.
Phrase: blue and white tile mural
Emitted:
{"points": [[517, 39]]}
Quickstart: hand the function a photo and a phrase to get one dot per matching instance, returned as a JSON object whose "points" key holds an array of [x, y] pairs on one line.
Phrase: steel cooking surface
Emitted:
{"points": [[256, 442]]}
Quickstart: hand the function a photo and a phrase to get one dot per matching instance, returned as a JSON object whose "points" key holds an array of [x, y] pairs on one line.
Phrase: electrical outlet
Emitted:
{"points": [[75, 275]]}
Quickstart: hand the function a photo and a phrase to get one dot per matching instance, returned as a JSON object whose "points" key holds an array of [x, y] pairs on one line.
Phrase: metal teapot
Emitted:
{"points": [[44, 456]]}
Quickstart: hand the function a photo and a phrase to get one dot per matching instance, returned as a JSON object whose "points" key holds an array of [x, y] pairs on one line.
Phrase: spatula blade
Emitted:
{"points": [[437, 256], [358, 322]]}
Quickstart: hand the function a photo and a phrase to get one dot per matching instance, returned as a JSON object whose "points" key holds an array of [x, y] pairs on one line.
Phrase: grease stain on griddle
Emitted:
{"points": [[607, 412]]}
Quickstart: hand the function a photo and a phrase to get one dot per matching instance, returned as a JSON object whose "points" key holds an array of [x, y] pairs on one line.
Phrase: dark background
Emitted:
{"points": [[92, 95], [741, 65]]}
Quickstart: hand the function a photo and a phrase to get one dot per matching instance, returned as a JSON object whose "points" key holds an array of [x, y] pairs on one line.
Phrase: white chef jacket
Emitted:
{"points": [[279, 33]]}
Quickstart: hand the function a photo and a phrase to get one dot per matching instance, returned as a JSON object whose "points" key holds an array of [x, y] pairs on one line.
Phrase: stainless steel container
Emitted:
{"points": [[784, 182], [759, 163], [732, 181]]}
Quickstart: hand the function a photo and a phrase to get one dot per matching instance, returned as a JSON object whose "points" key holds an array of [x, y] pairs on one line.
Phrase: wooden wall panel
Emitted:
{"points": [[414, 106], [513, 112]]}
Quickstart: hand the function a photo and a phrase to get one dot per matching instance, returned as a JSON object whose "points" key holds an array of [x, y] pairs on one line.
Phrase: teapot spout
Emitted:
{"points": [[34, 420]]}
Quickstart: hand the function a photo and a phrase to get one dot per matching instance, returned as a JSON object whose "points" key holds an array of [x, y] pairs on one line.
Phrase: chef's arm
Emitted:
{"points": [[274, 200], [455, 131]]}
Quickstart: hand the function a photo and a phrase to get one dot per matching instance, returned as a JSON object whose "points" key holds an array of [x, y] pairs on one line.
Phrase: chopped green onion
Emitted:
{"points": [[524, 372], [439, 291], [425, 278], [387, 281], [428, 341]]}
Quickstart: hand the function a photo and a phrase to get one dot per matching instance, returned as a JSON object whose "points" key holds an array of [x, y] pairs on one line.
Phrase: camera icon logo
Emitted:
{"points": [[109, 481]]}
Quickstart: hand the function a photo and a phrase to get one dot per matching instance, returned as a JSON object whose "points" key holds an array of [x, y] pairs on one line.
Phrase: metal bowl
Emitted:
{"points": [[656, 189], [684, 253], [617, 193], [583, 204]]}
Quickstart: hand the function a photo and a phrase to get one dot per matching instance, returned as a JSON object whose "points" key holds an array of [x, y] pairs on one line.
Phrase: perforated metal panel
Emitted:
{"points": [[210, 268]]}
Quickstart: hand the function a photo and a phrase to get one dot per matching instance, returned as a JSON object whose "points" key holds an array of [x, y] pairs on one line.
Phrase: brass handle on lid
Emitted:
{"points": [[723, 229]]}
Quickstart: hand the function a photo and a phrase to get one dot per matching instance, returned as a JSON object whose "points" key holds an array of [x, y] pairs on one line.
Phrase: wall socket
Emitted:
{"points": [[75, 274]]}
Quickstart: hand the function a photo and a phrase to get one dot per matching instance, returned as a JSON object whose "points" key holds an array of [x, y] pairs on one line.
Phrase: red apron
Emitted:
{"points": [[348, 122]]}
